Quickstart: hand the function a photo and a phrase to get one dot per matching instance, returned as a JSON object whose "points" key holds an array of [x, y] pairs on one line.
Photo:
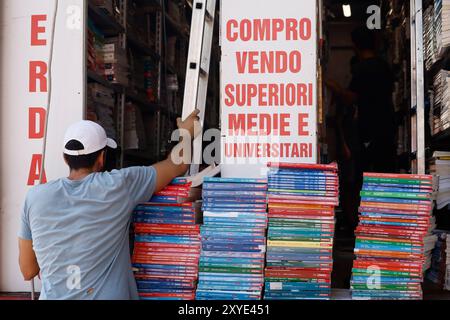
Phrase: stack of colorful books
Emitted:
{"points": [[233, 238], [167, 244], [440, 169], [302, 199], [392, 236]]}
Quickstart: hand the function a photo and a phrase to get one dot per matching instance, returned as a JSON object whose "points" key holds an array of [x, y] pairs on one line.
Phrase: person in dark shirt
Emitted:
{"points": [[365, 120], [371, 91]]}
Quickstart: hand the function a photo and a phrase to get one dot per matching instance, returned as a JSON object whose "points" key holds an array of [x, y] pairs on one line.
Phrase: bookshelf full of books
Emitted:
{"points": [[437, 80], [136, 65], [437, 64]]}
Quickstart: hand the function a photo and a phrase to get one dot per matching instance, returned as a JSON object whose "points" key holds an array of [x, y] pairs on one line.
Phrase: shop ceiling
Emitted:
{"points": [[358, 9]]}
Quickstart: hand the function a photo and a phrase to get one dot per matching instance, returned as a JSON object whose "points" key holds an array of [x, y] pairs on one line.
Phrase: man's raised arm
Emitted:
{"points": [[169, 169]]}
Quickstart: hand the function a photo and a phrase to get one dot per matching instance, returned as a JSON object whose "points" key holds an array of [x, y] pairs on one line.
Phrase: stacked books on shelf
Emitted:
{"points": [[429, 39], [100, 107], [95, 42], [393, 238], [302, 199], [442, 25], [106, 57], [439, 273], [115, 62], [436, 31], [441, 102], [167, 244], [440, 169], [233, 239]]}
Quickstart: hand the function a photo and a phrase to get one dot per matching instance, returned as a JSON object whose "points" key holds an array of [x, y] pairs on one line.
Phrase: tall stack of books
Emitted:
{"points": [[167, 243], [442, 25], [436, 31], [233, 239], [302, 200], [429, 36], [392, 238], [440, 169], [441, 102]]}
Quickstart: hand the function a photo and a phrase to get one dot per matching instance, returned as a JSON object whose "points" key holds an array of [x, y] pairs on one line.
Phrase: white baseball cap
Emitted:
{"points": [[91, 135]]}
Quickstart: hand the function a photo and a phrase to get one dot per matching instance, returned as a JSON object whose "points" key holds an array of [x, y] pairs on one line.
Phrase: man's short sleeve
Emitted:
{"points": [[25, 230], [141, 182]]}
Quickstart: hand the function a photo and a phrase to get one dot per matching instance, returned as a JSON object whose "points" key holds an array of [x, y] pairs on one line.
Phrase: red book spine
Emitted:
{"points": [[173, 193], [303, 211], [184, 205], [327, 167], [398, 176]]}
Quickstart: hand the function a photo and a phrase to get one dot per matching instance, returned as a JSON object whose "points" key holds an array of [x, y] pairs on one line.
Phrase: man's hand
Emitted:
{"points": [[167, 170], [191, 124]]}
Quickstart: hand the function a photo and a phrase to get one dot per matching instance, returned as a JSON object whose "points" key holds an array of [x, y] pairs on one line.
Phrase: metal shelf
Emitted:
{"points": [[103, 20], [111, 25], [142, 47], [442, 136], [181, 76], [442, 63], [149, 107], [149, 3], [144, 105], [99, 79], [182, 30]]}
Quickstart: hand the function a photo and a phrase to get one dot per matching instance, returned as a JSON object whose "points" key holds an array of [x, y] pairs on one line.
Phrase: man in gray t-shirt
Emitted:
{"points": [[74, 230]]}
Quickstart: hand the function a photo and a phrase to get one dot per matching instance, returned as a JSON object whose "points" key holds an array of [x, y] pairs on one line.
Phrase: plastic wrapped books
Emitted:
{"points": [[233, 239], [299, 262], [393, 239]]}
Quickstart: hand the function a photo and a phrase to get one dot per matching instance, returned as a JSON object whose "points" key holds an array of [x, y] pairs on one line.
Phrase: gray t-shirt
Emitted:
{"points": [[80, 233]]}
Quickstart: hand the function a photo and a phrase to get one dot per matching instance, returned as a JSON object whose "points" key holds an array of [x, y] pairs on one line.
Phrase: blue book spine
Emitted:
{"points": [[393, 200], [234, 180]]}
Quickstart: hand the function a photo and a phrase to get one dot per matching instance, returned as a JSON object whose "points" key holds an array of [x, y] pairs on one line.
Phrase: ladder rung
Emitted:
{"points": [[193, 66], [208, 16]]}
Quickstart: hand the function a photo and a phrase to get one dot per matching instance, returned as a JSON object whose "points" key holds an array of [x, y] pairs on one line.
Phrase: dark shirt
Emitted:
{"points": [[373, 81]]}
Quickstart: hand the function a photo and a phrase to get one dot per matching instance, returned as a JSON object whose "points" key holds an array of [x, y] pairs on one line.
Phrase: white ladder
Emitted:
{"points": [[197, 70]]}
